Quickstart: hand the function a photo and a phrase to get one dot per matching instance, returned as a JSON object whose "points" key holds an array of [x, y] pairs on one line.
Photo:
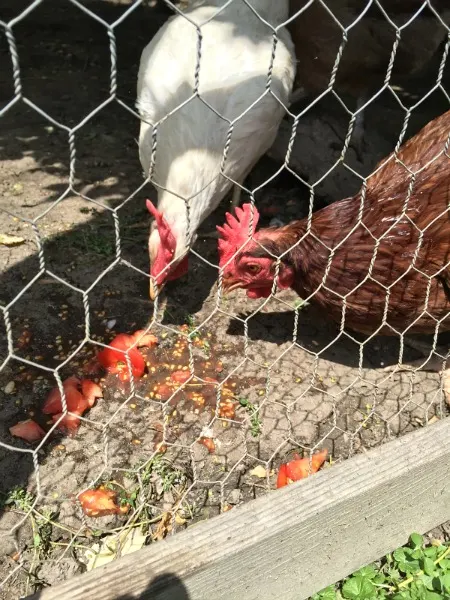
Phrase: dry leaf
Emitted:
{"points": [[259, 471], [179, 519], [10, 240], [163, 527], [113, 546]]}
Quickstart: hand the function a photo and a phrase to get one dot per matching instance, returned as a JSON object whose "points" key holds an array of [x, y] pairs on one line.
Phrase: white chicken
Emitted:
{"points": [[187, 148]]}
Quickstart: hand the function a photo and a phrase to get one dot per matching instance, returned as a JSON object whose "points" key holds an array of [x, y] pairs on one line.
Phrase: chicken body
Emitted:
{"points": [[387, 253], [236, 53]]}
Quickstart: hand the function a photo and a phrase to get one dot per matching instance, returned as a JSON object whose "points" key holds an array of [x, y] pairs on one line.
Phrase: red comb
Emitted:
{"points": [[168, 241], [236, 231], [165, 234]]}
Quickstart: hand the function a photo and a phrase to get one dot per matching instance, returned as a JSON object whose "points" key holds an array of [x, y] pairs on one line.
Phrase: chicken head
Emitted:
{"points": [[162, 246], [245, 261]]}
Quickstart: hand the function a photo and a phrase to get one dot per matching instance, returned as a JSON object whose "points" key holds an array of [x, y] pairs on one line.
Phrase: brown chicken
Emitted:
{"points": [[386, 252]]}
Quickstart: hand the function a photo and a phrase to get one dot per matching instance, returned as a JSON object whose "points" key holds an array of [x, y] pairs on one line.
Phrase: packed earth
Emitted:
{"points": [[225, 391]]}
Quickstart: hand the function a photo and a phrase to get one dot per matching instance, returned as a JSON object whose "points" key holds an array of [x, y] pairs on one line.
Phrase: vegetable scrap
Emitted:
{"points": [[114, 359], [28, 430], [80, 397], [208, 443], [300, 468], [100, 502]]}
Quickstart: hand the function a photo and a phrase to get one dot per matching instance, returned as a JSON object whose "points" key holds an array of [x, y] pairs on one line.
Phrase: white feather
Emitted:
{"points": [[236, 53]]}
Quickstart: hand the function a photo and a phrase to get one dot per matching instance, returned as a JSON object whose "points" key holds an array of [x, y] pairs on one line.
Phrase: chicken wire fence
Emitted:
{"points": [[265, 399]]}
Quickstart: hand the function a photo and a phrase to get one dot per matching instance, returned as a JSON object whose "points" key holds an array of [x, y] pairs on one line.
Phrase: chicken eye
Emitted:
{"points": [[254, 268]]}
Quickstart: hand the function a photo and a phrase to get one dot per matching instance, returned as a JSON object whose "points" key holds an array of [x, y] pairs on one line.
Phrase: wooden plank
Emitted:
{"points": [[293, 542]]}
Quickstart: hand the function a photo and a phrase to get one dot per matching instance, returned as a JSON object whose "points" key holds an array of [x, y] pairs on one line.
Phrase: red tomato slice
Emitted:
{"points": [[164, 391], [101, 502], [91, 391], [300, 468], [74, 399], [114, 359], [282, 476], [28, 430], [180, 376]]}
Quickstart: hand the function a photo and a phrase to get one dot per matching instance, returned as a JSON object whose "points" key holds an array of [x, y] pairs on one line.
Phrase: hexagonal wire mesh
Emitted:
{"points": [[282, 382]]}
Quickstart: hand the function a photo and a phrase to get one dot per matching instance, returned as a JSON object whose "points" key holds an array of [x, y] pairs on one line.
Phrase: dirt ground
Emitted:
{"points": [[300, 393]]}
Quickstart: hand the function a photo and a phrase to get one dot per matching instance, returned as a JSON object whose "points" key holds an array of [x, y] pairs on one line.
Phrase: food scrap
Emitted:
{"points": [[299, 468], [28, 430], [80, 397], [114, 359], [100, 502], [208, 443]]}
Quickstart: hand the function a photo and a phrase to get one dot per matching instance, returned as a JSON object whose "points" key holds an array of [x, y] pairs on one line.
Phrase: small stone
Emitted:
{"points": [[10, 388], [235, 496]]}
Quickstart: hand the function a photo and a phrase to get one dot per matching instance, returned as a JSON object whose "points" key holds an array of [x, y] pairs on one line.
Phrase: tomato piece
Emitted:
{"points": [[318, 459], [114, 359], [299, 468], [282, 479], [69, 424], [101, 502], [208, 443], [74, 398], [27, 430], [91, 391], [180, 376], [163, 391], [144, 339]]}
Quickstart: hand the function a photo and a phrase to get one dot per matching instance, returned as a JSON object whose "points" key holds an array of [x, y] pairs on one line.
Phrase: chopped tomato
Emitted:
{"points": [[101, 502], [69, 423], [91, 391], [163, 391], [299, 468], [282, 478], [28, 430], [74, 398], [144, 339], [208, 443], [114, 359], [180, 376]]}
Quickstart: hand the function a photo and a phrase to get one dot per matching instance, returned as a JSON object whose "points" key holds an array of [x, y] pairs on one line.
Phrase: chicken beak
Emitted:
{"points": [[229, 284], [154, 289]]}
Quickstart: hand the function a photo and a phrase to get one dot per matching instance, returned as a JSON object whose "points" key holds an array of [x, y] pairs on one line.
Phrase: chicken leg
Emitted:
{"points": [[435, 364]]}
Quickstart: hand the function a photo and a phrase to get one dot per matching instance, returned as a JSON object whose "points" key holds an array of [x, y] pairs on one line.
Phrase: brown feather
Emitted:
{"points": [[418, 281]]}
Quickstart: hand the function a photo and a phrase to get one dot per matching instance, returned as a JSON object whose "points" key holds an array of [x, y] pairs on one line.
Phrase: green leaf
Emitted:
{"points": [[445, 564], [36, 540], [399, 554], [428, 567], [403, 595], [358, 588], [416, 540], [432, 596], [429, 582], [370, 572], [328, 593], [445, 582], [432, 552]]}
